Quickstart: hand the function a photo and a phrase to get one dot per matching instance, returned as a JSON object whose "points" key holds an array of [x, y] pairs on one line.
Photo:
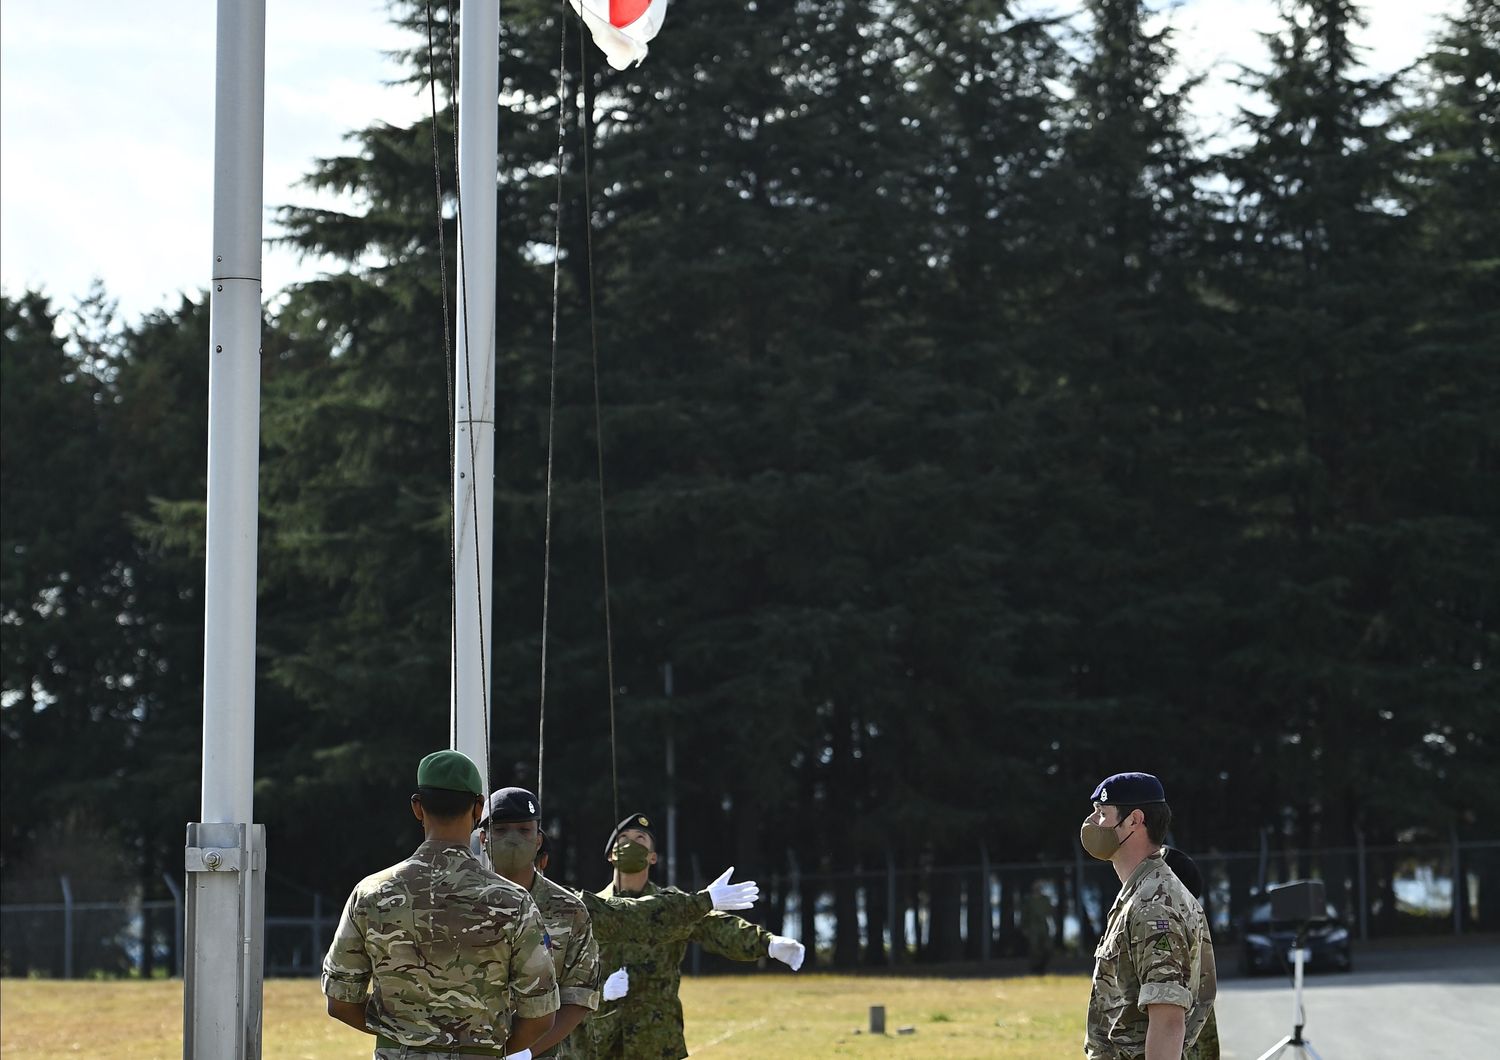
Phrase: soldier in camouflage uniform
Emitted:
{"points": [[574, 919], [648, 1022], [1186, 870], [1036, 925], [437, 955], [514, 842], [1154, 981]]}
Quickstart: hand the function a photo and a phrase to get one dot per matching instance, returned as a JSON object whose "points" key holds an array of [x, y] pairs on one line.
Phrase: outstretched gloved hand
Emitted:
{"points": [[728, 895], [617, 985], [788, 951]]}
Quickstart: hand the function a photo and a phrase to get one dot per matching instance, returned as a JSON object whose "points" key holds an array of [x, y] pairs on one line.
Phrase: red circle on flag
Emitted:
{"points": [[624, 12]]}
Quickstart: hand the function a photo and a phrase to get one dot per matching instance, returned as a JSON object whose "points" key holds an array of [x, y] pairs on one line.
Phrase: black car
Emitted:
{"points": [[1267, 944]]}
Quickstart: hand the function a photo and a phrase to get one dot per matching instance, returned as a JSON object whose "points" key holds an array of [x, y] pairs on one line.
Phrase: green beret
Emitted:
{"points": [[450, 771]]}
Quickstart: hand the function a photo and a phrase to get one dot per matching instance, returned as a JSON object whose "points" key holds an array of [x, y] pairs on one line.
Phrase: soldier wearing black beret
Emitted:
{"points": [[1154, 981], [648, 1022]]}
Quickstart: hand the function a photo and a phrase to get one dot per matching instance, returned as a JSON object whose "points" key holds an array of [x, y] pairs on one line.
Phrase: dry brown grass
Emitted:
{"points": [[728, 1017]]}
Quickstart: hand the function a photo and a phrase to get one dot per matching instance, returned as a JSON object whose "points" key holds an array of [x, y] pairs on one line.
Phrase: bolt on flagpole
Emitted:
{"points": [[224, 855], [474, 369]]}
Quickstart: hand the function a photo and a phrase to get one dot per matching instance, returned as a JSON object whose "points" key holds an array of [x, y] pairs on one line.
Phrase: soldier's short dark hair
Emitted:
{"points": [[1158, 817], [445, 804]]}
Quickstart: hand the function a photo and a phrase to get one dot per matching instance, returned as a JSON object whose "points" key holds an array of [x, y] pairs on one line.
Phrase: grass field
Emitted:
{"points": [[728, 1017]]}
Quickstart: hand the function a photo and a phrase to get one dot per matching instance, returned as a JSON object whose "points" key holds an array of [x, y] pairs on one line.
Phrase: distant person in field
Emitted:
{"points": [[1036, 926], [647, 1023], [1207, 1045], [510, 840], [438, 954], [1154, 981]]}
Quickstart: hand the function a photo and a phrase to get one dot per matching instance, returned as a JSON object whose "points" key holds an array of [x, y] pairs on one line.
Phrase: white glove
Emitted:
{"points": [[617, 985], [788, 951], [524, 1054], [728, 895]]}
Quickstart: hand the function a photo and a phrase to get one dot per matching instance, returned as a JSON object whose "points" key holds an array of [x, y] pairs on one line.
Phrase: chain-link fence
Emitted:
{"points": [[880, 916]]}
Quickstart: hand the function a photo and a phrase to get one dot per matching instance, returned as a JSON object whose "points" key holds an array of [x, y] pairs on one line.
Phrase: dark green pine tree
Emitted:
{"points": [[1118, 575], [62, 590], [1366, 545], [1455, 181]]}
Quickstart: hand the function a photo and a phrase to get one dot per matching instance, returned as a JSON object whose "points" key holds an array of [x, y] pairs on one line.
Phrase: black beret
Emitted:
{"points": [[1185, 869], [1129, 789], [638, 821], [512, 804]]}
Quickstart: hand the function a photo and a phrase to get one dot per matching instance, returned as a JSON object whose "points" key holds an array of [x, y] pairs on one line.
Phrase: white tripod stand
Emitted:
{"points": [[1299, 1045]]}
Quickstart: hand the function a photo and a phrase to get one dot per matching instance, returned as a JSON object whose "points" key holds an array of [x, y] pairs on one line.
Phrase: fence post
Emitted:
{"points": [[1364, 901], [984, 887], [176, 922], [1458, 887], [67, 893], [895, 916], [317, 927]]}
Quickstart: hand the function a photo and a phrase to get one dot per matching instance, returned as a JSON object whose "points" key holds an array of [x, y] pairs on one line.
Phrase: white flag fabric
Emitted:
{"points": [[622, 28]]}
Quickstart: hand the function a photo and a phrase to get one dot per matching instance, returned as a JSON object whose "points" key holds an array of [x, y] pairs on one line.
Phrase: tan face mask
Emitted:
{"points": [[1101, 840], [512, 853]]}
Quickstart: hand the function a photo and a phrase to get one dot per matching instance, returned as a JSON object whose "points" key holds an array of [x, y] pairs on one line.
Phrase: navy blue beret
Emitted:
{"points": [[635, 821], [509, 805], [1129, 789]]}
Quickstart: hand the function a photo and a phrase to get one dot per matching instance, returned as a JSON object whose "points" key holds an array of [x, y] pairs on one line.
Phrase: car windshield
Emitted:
{"points": [[1260, 917]]}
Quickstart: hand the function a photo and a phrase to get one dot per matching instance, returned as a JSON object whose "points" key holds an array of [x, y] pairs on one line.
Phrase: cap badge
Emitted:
{"points": [[530, 806], [1103, 794], [644, 821]]}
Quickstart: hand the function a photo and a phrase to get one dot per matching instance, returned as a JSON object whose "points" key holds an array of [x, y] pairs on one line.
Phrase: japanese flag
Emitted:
{"points": [[621, 28]]}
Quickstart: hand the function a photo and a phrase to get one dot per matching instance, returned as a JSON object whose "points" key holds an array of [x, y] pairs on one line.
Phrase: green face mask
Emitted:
{"points": [[631, 857], [512, 853]]}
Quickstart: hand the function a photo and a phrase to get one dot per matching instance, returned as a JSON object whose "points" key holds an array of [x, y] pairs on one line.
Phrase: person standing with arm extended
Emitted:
{"points": [[1154, 963], [438, 956], [647, 1024]]}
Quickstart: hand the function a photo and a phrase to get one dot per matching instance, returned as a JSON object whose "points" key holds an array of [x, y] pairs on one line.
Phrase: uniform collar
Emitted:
{"points": [[431, 848]]}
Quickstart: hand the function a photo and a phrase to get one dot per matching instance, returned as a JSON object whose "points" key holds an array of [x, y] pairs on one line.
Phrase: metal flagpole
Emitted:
{"points": [[225, 853], [474, 369]]}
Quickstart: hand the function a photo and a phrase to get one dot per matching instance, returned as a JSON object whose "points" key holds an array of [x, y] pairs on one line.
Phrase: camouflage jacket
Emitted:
{"points": [[647, 1022], [1156, 949], [569, 938], [448, 951]]}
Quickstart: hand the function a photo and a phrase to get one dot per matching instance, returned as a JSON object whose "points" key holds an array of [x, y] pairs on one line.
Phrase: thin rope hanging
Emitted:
{"points": [[584, 110], [557, 210]]}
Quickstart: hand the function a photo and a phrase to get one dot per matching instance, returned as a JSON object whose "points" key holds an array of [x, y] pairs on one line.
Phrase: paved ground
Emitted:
{"points": [[1400, 1004]]}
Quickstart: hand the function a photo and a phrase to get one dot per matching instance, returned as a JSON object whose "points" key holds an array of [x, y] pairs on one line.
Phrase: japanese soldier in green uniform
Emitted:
{"points": [[1154, 982], [438, 954], [647, 1022]]}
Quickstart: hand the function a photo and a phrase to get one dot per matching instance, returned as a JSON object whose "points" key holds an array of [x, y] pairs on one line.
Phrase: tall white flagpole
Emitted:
{"points": [[225, 852], [474, 368]]}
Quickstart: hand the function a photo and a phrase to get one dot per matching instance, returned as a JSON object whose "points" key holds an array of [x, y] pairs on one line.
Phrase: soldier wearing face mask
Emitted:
{"points": [[648, 1024], [1154, 984], [509, 839]]}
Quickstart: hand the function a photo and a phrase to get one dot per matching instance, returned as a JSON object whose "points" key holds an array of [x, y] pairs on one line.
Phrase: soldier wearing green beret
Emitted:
{"points": [[1154, 983], [438, 955], [648, 1023]]}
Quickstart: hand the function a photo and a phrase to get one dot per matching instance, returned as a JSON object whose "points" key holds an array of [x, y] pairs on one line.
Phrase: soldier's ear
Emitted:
{"points": [[416, 807]]}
